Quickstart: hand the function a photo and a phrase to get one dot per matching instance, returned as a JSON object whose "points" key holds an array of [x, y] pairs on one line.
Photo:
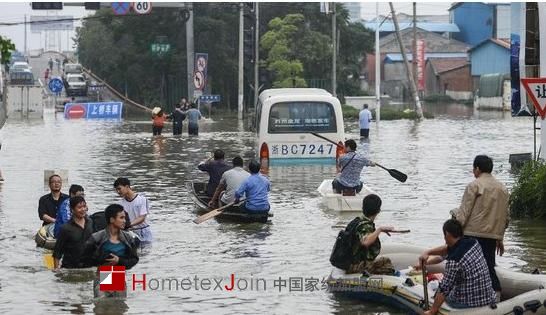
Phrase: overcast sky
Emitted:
{"points": [[15, 12]]}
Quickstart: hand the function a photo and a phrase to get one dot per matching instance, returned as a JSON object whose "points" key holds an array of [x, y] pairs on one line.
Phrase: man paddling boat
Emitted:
{"points": [[351, 165]]}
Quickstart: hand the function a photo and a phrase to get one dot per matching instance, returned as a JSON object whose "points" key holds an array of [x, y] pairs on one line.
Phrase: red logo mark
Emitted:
{"points": [[112, 278]]}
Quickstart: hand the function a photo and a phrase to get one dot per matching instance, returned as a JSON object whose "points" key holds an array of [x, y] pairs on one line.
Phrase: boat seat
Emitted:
{"points": [[349, 192]]}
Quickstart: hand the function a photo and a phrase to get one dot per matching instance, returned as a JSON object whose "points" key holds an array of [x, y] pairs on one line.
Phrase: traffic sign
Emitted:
{"points": [[55, 85], [99, 110], [160, 48], [142, 7], [536, 89], [198, 80], [210, 98], [121, 8]]}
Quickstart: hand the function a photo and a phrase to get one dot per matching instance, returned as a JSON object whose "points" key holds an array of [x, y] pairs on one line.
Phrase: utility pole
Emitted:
{"points": [[414, 59], [256, 53], [241, 65], [25, 35], [189, 51], [409, 74], [542, 71], [377, 67], [334, 46]]}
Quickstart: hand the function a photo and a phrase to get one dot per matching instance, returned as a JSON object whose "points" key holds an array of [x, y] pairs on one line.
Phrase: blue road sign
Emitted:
{"points": [[102, 110], [121, 8], [210, 98], [55, 85]]}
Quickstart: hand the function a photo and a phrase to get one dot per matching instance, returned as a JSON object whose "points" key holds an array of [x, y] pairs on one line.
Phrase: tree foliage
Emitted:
{"points": [[528, 198], [6, 47], [296, 38]]}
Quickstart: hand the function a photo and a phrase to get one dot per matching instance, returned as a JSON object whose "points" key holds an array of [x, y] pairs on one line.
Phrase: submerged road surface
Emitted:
{"points": [[263, 258]]}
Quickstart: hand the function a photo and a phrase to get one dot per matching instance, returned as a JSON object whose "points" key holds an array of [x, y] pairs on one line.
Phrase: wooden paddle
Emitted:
{"points": [[49, 261], [394, 173], [425, 284], [211, 214]]}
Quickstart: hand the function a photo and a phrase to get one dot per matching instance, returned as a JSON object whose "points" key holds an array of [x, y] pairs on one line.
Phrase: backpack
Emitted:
{"points": [[342, 253], [99, 221]]}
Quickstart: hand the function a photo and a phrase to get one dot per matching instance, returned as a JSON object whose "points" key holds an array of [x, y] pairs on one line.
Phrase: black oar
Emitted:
{"points": [[394, 173]]}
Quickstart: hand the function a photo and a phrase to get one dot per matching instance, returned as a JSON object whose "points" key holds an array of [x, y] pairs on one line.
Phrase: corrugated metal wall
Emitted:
{"points": [[475, 20], [490, 58]]}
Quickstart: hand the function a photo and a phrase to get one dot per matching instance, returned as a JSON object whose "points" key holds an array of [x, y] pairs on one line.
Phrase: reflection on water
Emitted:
{"points": [[435, 154]]}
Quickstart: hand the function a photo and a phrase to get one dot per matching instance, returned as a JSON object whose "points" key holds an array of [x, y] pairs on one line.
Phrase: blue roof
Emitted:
{"points": [[427, 26], [389, 58]]}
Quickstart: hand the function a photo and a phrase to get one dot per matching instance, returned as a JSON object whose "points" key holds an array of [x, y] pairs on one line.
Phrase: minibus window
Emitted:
{"points": [[302, 117]]}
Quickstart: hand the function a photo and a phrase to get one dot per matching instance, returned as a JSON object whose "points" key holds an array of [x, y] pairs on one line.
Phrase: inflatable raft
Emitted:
{"points": [[44, 237], [522, 293]]}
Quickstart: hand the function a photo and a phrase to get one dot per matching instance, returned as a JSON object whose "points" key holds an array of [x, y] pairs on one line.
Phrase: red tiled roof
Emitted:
{"points": [[441, 65]]}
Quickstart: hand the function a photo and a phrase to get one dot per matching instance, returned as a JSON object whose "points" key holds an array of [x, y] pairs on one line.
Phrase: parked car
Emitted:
{"points": [[72, 68], [17, 77], [20, 66], [76, 85]]}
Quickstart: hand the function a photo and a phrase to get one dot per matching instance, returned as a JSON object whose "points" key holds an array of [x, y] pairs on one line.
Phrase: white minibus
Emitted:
{"points": [[286, 119]]}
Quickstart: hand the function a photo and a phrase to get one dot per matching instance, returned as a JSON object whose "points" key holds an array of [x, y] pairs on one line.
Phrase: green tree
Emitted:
{"points": [[279, 43], [6, 47]]}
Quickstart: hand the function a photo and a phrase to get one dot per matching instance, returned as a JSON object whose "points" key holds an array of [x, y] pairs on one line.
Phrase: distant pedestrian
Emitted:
{"points": [[364, 117], [178, 117], [194, 115], [50, 63], [158, 121], [184, 105], [46, 75]]}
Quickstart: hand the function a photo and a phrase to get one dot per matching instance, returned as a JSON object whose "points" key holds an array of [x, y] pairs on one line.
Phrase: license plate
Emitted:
{"points": [[307, 149]]}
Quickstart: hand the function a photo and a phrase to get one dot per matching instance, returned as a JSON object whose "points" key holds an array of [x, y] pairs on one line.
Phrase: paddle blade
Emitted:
{"points": [[49, 261], [398, 175], [207, 216]]}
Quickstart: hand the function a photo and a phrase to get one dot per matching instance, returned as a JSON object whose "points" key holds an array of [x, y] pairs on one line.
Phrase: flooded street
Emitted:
{"points": [[436, 154]]}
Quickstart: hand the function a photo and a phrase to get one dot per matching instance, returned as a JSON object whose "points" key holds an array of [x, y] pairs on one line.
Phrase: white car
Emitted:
{"points": [[76, 85], [20, 66]]}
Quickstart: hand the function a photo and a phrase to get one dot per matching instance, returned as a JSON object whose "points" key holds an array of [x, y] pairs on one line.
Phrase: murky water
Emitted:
{"points": [[436, 154]]}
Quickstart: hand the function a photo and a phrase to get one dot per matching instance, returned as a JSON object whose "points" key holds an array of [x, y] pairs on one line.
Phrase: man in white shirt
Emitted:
{"points": [[138, 208], [364, 117], [231, 180]]}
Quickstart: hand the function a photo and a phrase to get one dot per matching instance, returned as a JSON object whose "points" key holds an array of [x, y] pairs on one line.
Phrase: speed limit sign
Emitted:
{"points": [[142, 7]]}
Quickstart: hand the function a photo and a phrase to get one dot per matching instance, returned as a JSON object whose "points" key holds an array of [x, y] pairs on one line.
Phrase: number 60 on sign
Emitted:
{"points": [[142, 7]]}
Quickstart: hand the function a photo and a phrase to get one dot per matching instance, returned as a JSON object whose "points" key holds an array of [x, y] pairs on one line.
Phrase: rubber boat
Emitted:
{"points": [[522, 293], [44, 237], [234, 213], [338, 202]]}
